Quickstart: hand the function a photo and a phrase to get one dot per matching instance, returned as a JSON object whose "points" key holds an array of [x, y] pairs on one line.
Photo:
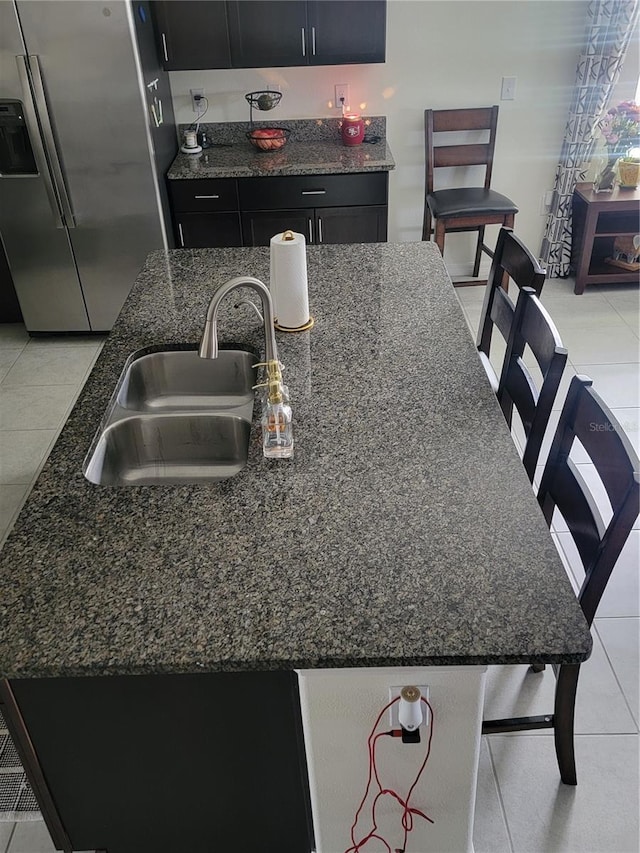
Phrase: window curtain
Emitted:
{"points": [[610, 26]]}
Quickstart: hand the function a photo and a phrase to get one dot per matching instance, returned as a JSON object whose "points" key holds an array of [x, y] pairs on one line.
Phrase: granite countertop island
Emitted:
{"points": [[314, 148], [404, 531]]}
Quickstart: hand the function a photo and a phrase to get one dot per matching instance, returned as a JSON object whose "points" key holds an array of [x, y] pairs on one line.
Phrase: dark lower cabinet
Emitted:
{"points": [[352, 224], [259, 226], [349, 208], [171, 764], [325, 225], [208, 230]]}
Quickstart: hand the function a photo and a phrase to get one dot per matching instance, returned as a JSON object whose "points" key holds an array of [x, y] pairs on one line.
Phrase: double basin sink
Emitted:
{"points": [[176, 418]]}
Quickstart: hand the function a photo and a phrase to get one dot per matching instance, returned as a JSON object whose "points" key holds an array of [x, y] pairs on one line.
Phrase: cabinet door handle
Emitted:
{"points": [[181, 234], [164, 47], [319, 230], [314, 192], [206, 196], [310, 231], [313, 41], [304, 47]]}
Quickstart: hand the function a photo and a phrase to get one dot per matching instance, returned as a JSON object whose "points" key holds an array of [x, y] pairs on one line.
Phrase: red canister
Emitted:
{"points": [[352, 129]]}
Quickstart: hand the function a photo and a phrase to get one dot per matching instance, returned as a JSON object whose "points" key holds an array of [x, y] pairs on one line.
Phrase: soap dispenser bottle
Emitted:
{"points": [[277, 426]]}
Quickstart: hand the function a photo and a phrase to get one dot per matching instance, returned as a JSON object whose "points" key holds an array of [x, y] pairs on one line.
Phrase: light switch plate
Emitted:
{"points": [[508, 91]]}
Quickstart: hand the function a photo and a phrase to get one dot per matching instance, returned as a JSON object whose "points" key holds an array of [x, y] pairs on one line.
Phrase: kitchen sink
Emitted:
{"points": [[179, 379], [176, 418]]}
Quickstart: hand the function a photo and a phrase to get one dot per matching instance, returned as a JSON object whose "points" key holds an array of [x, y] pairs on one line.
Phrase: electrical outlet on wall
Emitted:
{"points": [[341, 91], [197, 105], [393, 710]]}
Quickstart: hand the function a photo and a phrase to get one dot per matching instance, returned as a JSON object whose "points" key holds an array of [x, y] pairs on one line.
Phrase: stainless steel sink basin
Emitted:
{"points": [[144, 450], [179, 380], [176, 418]]}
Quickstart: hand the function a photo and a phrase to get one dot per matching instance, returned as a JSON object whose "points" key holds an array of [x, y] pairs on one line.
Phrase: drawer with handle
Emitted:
{"points": [[204, 195], [300, 191]]}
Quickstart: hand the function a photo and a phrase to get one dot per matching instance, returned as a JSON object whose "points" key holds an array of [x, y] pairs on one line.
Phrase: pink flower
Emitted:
{"points": [[620, 125]]}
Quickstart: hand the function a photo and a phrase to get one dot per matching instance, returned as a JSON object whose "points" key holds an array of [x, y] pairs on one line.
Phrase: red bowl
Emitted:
{"points": [[268, 138]]}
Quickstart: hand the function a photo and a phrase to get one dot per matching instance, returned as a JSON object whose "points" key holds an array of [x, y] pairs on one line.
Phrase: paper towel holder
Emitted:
{"points": [[287, 236], [304, 328]]}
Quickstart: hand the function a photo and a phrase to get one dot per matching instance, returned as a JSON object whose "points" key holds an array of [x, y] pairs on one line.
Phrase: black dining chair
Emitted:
{"points": [[512, 262], [466, 208], [533, 330], [584, 418]]}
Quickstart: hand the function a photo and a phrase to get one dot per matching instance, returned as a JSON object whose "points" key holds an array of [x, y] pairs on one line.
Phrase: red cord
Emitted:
{"points": [[408, 811]]}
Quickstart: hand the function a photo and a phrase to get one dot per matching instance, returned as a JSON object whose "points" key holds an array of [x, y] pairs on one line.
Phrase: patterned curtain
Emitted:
{"points": [[610, 26]]}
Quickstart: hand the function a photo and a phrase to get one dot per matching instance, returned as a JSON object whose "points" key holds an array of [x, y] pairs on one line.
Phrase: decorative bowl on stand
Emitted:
{"points": [[268, 138]]}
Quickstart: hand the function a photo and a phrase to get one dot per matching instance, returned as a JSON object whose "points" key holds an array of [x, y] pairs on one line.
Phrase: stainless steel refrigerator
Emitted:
{"points": [[86, 134]]}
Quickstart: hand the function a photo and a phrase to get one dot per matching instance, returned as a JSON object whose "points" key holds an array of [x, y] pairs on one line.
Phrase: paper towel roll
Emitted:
{"points": [[289, 289]]}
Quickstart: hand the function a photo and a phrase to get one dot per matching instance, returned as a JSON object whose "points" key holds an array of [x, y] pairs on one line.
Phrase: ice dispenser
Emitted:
{"points": [[16, 155]]}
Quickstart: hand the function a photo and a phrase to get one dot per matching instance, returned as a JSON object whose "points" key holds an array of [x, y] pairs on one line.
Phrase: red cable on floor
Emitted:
{"points": [[408, 811]]}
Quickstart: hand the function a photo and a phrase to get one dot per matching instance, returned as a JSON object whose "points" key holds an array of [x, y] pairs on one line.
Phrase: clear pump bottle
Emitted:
{"points": [[277, 426]]}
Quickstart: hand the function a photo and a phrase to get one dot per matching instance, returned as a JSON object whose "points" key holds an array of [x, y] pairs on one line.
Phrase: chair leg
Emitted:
{"points": [[426, 223], [537, 667], [564, 714], [476, 261], [440, 231]]}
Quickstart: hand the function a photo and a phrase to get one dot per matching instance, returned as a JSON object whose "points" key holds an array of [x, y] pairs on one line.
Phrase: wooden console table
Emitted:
{"points": [[598, 218]]}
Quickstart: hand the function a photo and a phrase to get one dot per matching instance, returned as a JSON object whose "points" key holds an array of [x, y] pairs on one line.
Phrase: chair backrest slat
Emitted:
{"points": [[513, 257], [475, 118], [586, 417], [532, 327], [459, 153]]}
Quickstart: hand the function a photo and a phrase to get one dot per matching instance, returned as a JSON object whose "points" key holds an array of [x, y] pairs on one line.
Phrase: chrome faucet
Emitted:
{"points": [[277, 430], [209, 342]]}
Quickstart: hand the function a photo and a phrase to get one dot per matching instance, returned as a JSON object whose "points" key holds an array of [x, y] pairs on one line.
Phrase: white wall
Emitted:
{"points": [[442, 53], [339, 708]]}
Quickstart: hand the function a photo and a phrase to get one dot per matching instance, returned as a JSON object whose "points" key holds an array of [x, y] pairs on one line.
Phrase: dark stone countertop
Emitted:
{"points": [[404, 531], [314, 148]]}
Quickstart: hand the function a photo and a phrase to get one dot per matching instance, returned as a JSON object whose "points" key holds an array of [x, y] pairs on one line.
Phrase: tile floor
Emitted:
{"points": [[521, 805]]}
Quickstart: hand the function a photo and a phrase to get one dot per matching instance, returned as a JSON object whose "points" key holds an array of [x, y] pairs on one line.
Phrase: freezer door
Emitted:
{"points": [[33, 230], [91, 83]]}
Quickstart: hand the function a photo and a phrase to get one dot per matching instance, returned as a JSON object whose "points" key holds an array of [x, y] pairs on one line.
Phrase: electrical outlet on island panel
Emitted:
{"points": [[394, 692]]}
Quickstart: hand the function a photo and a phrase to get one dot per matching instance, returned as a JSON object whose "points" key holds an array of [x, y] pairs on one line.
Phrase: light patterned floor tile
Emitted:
{"points": [[11, 498], [489, 828], [31, 837], [40, 365], [601, 706], [599, 815], [22, 453], [35, 406], [617, 384], [621, 641], [13, 335]]}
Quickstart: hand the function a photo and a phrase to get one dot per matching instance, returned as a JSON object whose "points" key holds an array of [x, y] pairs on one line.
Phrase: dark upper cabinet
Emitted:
{"points": [[192, 34], [200, 34], [346, 31], [267, 33]]}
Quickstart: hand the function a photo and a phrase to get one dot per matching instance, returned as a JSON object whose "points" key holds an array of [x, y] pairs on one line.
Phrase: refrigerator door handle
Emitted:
{"points": [[31, 119], [49, 141]]}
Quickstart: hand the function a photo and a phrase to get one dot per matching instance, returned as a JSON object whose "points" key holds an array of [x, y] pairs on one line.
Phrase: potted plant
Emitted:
{"points": [[620, 130]]}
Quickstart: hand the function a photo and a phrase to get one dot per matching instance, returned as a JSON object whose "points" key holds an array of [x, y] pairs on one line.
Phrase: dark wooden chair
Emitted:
{"points": [[534, 329], [512, 262], [584, 418], [467, 208]]}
